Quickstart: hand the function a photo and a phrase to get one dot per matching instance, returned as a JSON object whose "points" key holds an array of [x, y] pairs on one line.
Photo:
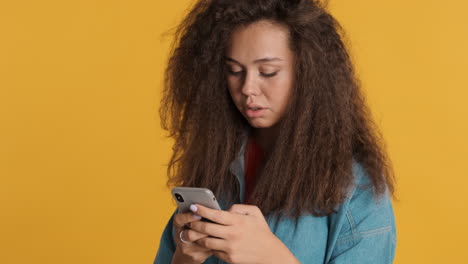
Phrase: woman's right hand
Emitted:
{"points": [[188, 252]]}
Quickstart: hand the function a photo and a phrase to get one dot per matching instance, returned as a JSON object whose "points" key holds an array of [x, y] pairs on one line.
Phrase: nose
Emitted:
{"points": [[250, 86]]}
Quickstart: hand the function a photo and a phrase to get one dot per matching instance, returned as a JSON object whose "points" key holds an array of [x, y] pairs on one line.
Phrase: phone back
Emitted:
{"points": [[185, 196]]}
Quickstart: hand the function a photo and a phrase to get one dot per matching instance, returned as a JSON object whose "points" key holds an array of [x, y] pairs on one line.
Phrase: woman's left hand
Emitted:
{"points": [[240, 235]]}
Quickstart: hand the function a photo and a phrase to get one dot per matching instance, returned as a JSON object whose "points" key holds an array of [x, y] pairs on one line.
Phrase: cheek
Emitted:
{"points": [[232, 84], [279, 92], [234, 92]]}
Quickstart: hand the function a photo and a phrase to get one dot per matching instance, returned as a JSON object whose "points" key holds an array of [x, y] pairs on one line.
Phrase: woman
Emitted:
{"points": [[265, 109]]}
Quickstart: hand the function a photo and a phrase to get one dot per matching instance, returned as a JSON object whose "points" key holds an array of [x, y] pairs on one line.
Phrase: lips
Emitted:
{"points": [[254, 107], [254, 111]]}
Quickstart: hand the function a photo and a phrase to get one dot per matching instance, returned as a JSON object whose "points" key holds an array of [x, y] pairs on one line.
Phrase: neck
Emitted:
{"points": [[266, 138]]}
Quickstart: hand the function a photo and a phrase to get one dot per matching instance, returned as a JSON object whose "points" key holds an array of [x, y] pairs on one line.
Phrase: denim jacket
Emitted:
{"points": [[361, 231]]}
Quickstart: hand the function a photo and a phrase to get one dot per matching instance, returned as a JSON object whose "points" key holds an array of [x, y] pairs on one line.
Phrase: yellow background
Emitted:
{"points": [[82, 155]]}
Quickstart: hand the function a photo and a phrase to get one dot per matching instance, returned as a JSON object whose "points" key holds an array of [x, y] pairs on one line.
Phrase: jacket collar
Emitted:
{"points": [[237, 167]]}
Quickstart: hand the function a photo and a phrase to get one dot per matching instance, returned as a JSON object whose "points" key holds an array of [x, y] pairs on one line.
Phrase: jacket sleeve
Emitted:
{"points": [[368, 231], [167, 244]]}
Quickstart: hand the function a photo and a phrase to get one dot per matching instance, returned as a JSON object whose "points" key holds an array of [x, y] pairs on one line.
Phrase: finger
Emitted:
{"points": [[183, 218], [192, 235], [211, 229], [194, 247], [218, 216], [188, 244], [191, 246], [213, 243]]}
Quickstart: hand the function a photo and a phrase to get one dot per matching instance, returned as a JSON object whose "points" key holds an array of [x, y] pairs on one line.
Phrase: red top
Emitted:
{"points": [[252, 159]]}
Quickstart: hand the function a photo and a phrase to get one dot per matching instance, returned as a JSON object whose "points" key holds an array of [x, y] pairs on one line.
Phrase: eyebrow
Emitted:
{"points": [[266, 59]]}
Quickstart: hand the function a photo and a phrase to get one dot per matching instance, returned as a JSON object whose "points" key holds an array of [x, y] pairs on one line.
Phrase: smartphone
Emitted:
{"points": [[186, 196]]}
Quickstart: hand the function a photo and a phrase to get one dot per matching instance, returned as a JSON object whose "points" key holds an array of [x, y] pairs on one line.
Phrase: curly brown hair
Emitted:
{"points": [[326, 127]]}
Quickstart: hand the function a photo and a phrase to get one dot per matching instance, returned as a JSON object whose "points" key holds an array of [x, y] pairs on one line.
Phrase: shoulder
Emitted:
{"points": [[363, 222], [362, 202]]}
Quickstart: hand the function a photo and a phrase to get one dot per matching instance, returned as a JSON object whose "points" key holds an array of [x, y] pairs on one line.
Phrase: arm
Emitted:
{"points": [[283, 255]]}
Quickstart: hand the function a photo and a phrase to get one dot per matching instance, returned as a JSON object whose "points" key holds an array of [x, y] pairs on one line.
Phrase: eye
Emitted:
{"points": [[268, 75], [235, 73]]}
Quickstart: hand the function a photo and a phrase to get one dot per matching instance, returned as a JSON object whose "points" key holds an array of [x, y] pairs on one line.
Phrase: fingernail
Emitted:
{"points": [[193, 208], [197, 217]]}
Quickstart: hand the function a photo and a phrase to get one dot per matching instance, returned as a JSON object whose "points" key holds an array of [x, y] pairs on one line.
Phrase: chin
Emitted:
{"points": [[259, 123]]}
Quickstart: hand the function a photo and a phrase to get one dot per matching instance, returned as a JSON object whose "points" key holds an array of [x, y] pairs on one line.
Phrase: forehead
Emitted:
{"points": [[258, 40]]}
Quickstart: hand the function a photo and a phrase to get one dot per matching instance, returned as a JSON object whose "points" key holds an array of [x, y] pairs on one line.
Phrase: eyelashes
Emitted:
{"points": [[268, 75], [239, 73]]}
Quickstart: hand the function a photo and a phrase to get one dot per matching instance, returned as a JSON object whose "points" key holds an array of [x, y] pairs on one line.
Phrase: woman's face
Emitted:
{"points": [[259, 71]]}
